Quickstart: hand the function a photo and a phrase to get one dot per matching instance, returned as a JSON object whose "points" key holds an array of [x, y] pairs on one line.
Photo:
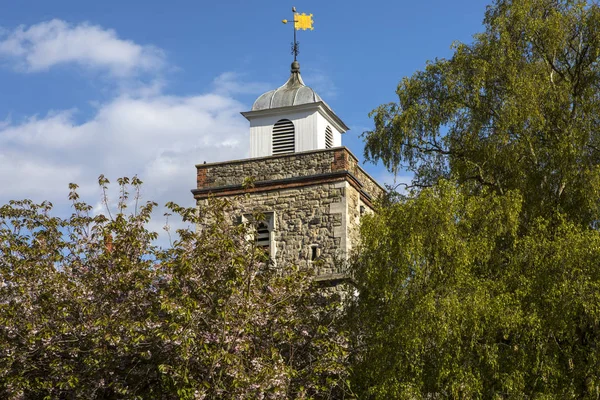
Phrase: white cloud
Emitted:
{"points": [[44, 45], [321, 83], [5, 122], [230, 83], [27, 175], [140, 131], [159, 138]]}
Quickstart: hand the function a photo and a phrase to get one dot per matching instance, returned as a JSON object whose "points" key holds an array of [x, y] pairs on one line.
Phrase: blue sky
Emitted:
{"points": [[153, 87]]}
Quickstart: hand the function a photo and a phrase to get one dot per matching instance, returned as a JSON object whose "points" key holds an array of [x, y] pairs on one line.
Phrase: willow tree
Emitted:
{"points": [[518, 108], [484, 281], [456, 302]]}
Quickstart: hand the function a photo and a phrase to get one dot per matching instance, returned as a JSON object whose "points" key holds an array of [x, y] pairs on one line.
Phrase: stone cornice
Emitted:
{"points": [[300, 153], [286, 183], [319, 106], [334, 150]]}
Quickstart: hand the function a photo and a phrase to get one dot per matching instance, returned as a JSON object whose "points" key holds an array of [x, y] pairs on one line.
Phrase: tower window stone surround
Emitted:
{"points": [[263, 227]]}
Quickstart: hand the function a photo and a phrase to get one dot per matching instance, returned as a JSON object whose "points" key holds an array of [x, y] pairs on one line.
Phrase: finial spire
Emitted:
{"points": [[301, 21]]}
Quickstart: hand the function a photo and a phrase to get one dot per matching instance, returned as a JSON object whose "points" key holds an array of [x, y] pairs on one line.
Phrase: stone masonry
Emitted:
{"points": [[315, 198]]}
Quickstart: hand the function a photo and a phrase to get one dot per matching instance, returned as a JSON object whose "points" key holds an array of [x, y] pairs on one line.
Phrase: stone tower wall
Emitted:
{"points": [[316, 199]]}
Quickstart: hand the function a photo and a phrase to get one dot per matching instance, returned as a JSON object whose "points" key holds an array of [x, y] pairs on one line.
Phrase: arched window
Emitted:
{"points": [[283, 137], [261, 230], [328, 137]]}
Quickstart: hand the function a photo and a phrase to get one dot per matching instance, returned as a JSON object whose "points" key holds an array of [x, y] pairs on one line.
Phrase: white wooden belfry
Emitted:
{"points": [[292, 119]]}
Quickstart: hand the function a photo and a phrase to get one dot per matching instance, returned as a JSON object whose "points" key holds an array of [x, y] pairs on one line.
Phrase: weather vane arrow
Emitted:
{"points": [[301, 21]]}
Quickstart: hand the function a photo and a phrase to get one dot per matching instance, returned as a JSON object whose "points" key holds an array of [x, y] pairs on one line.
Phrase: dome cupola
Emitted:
{"points": [[291, 119], [294, 92]]}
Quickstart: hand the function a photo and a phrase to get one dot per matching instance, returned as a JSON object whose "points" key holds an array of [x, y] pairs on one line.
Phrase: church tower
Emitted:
{"points": [[310, 189]]}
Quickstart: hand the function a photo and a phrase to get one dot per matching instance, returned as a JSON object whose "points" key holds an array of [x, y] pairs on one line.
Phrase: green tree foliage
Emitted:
{"points": [[484, 281], [517, 109], [90, 308], [455, 303]]}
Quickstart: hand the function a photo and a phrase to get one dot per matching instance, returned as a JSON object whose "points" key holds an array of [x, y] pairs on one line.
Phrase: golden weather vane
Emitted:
{"points": [[301, 21]]}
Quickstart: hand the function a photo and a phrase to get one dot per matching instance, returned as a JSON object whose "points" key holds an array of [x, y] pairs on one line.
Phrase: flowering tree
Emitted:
{"points": [[91, 308]]}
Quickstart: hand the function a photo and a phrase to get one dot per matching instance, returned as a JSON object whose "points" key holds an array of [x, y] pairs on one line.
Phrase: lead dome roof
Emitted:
{"points": [[294, 92]]}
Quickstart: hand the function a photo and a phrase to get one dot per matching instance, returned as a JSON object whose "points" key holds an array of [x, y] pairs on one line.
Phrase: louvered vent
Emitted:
{"points": [[328, 137], [283, 137], [263, 236]]}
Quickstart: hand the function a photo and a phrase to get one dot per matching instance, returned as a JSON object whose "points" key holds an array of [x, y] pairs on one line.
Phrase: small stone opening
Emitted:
{"points": [[314, 252]]}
